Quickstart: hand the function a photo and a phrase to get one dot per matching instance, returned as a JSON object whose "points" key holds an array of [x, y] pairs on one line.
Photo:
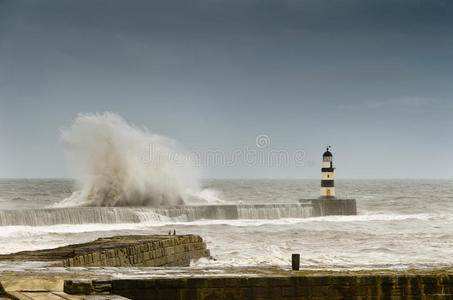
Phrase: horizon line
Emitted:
{"points": [[255, 178]]}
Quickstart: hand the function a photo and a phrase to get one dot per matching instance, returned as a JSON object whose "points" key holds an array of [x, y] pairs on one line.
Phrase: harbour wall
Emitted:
{"points": [[122, 251], [182, 213], [282, 287], [326, 206]]}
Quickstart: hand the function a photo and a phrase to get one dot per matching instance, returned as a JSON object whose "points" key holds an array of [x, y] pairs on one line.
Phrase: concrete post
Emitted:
{"points": [[295, 260]]}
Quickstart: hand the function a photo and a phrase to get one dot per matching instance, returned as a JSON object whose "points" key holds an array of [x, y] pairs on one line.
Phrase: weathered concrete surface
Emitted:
{"points": [[118, 251], [37, 283], [333, 206], [256, 283], [47, 284], [58, 296], [290, 286]]}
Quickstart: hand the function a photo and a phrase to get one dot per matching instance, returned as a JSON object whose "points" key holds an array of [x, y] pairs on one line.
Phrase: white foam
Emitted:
{"points": [[208, 196], [374, 217], [122, 165]]}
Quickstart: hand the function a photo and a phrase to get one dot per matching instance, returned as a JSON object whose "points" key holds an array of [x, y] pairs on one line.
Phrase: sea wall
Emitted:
{"points": [[122, 251], [186, 213], [314, 287], [333, 206], [173, 251]]}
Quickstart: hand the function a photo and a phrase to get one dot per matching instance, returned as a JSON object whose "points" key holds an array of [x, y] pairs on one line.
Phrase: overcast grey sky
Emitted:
{"points": [[371, 78]]}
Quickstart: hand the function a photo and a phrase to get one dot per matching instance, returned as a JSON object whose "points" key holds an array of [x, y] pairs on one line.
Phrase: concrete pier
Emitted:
{"points": [[313, 287], [324, 206], [122, 251], [238, 284]]}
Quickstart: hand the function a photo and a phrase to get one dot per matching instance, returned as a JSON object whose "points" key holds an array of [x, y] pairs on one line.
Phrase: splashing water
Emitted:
{"points": [[121, 165]]}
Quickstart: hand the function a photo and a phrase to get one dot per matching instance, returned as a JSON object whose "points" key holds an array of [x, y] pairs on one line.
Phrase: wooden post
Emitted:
{"points": [[295, 260]]}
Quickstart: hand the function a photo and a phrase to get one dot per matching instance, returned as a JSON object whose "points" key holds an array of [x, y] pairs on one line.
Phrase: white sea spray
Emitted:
{"points": [[119, 164]]}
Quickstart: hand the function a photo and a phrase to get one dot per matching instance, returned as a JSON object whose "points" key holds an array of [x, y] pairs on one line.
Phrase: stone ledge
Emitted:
{"points": [[122, 251], [255, 283], [294, 286]]}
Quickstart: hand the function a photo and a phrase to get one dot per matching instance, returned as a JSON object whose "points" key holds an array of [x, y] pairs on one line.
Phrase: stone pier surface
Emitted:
{"points": [[291, 287], [121, 251], [331, 206], [251, 283]]}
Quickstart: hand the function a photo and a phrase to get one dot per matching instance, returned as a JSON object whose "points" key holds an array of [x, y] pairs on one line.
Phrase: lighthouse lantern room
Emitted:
{"points": [[327, 177]]}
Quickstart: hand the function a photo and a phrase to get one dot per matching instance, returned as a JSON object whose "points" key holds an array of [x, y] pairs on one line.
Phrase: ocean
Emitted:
{"points": [[400, 224]]}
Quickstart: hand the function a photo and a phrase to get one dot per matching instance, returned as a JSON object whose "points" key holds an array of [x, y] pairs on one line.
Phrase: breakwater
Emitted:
{"points": [[121, 251], [280, 286], [333, 206], [181, 213]]}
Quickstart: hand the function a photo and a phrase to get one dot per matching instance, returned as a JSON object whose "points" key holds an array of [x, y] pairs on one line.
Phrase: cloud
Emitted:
{"points": [[399, 102], [405, 101]]}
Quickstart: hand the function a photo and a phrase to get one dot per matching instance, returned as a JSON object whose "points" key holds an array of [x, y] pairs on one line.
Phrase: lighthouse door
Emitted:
{"points": [[328, 192]]}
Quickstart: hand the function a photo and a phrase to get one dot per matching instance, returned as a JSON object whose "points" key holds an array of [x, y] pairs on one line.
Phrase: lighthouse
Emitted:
{"points": [[327, 178], [327, 204]]}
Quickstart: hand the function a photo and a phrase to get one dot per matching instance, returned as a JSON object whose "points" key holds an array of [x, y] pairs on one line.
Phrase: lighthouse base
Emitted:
{"points": [[329, 206]]}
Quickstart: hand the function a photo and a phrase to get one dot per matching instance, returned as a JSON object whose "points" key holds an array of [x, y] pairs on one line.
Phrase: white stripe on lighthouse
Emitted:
{"points": [[327, 175]]}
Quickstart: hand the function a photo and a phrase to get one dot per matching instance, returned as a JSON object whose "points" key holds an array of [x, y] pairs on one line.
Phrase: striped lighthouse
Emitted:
{"points": [[327, 178]]}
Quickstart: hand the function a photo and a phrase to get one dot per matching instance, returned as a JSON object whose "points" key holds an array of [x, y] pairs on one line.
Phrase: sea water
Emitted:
{"points": [[400, 223]]}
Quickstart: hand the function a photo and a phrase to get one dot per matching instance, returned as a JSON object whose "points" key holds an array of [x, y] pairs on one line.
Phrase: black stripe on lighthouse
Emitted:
{"points": [[327, 183]]}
